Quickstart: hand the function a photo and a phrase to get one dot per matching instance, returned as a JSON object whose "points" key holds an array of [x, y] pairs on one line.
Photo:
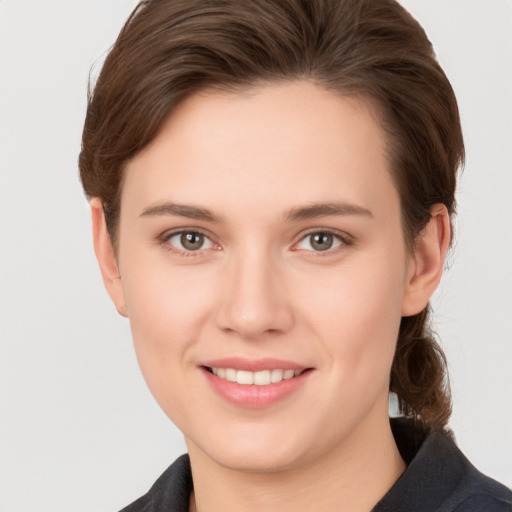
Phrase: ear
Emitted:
{"points": [[427, 261], [106, 256]]}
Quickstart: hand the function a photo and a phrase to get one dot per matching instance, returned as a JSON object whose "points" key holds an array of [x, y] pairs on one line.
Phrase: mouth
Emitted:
{"points": [[255, 383], [258, 378]]}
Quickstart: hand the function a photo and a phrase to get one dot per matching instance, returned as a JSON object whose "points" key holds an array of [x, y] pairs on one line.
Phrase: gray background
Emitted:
{"points": [[78, 429]]}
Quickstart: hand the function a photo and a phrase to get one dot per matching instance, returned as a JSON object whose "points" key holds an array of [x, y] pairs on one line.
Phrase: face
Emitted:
{"points": [[260, 242]]}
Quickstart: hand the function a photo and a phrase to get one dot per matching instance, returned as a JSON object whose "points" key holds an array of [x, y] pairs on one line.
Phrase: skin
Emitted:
{"points": [[258, 288]]}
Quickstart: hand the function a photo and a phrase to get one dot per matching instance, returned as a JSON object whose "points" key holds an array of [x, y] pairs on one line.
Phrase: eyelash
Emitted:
{"points": [[164, 241], [344, 239]]}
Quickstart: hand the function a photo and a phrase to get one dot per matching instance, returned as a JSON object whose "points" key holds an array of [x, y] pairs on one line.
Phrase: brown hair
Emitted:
{"points": [[170, 49]]}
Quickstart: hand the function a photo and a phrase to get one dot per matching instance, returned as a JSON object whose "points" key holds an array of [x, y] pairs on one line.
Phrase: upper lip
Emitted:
{"points": [[253, 365]]}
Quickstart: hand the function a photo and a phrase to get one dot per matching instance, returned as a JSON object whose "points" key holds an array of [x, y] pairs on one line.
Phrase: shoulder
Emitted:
{"points": [[484, 503], [474, 491], [170, 492], [439, 478], [479, 493]]}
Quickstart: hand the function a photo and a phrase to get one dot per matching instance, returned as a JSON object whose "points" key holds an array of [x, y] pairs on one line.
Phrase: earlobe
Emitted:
{"points": [[106, 256], [427, 262]]}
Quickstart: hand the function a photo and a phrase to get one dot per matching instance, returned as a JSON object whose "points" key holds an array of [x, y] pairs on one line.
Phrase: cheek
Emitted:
{"points": [[356, 313], [167, 310], [162, 297]]}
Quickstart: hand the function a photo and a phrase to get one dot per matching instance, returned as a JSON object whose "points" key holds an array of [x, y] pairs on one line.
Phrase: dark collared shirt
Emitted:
{"points": [[438, 478]]}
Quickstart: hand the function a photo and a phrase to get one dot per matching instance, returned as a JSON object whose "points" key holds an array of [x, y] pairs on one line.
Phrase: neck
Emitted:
{"points": [[353, 477]]}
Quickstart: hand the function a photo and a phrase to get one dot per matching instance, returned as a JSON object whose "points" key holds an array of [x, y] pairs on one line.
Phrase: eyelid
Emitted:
{"points": [[346, 240], [164, 238]]}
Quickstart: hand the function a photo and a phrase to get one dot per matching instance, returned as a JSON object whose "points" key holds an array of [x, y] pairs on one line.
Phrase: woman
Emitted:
{"points": [[272, 185]]}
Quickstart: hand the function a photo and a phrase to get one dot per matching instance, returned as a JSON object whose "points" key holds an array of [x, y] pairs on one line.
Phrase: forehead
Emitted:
{"points": [[281, 143]]}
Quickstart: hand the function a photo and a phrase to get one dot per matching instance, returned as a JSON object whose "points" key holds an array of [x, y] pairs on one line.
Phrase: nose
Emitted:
{"points": [[256, 302]]}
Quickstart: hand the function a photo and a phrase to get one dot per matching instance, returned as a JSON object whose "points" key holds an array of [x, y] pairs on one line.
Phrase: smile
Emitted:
{"points": [[255, 384], [259, 378]]}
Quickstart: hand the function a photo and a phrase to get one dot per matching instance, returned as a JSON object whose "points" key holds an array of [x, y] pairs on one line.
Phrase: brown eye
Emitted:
{"points": [[320, 241], [189, 241], [192, 241]]}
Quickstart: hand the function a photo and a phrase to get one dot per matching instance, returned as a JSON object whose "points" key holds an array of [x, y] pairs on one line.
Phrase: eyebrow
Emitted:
{"points": [[324, 210], [182, 210], [311, 211]]}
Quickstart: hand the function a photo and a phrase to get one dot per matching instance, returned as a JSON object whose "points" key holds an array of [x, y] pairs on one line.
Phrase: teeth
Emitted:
{"points": [[261, 378], [276, 375], [231, 374], [244, 377]]}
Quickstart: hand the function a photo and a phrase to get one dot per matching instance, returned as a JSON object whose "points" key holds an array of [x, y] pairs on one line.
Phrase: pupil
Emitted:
{"points": [[322, 241], [192, 241]]}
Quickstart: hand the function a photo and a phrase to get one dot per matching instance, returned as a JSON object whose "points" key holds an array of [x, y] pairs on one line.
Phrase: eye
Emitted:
{"points": [[320, 241], [189, 241]]}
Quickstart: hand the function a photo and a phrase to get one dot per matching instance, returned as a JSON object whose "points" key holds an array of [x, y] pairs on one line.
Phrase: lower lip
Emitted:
{"points": [[253, 396]]}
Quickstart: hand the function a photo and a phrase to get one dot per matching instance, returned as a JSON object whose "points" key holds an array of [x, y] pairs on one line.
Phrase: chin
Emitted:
{"points": [[256, 450], [256, 461]]}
